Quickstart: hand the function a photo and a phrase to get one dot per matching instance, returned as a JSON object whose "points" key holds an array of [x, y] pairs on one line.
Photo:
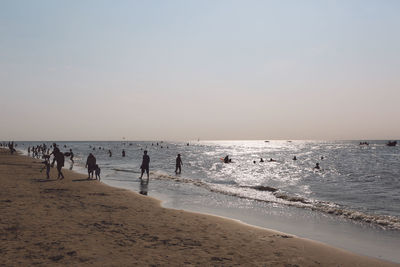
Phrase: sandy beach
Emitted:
{"points": [[79, 222]]}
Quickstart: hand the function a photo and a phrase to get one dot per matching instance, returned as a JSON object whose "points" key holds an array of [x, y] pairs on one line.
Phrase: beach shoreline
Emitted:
{"points": [[79, 222]]}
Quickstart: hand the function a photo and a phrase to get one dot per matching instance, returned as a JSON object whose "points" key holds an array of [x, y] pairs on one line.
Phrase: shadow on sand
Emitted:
{"points": [[43, 180]]}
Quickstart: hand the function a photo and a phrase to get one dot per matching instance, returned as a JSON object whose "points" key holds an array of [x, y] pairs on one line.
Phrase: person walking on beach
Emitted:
{"points": [[145, 164], [90, 164], [178, 166], [54, 153], [59, 158], [46, 163]]}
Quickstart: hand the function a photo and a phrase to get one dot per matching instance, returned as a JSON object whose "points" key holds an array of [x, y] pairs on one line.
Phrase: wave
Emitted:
{"points": [[125, 170], [275, 195]]}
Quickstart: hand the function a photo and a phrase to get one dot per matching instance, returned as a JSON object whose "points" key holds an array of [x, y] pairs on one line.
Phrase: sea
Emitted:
{"points": [[351, 202]]}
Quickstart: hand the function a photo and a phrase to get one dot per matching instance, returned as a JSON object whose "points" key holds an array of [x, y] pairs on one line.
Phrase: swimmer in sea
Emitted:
{"points": [[317, 166], [226, 159]]}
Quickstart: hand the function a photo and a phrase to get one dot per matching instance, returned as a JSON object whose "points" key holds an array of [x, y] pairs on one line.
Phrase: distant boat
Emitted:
{"points": [[391, 143], [266, 141]]}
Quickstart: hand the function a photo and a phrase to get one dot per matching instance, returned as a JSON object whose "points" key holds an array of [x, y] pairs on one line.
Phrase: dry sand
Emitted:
{"points": [[78, 222]]}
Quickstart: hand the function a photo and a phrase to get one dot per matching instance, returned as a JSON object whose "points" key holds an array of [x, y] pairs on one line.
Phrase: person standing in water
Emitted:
{"points": [[90, 165], [71, 156], [145, 164], [123, 153], [178, 166]]}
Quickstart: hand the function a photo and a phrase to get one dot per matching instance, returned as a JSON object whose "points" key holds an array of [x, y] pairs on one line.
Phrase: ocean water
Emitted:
{"points": [[356, 189]]}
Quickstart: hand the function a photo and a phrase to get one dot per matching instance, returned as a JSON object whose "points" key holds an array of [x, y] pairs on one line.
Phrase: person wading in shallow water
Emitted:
{"points": [[178, 167], [71, 156], [145, 164]]}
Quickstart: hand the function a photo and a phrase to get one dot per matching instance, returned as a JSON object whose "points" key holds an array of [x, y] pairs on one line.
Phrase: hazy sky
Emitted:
{"points": [[182, 70]]}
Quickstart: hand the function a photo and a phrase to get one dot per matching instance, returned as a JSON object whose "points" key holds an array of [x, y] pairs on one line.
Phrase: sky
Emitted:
{"points": [[213, 70]]}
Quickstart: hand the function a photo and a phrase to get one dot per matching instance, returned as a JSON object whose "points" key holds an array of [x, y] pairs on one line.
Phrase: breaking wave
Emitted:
{"points": [[274, 195]]}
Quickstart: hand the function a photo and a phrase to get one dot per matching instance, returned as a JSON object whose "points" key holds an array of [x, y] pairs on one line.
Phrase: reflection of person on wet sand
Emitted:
{"points": [[144, 186], [178, 166], [145, 164]]}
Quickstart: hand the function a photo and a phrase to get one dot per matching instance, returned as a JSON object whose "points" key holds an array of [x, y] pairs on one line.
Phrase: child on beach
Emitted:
{"points": [[46, 163], [97, 171]]}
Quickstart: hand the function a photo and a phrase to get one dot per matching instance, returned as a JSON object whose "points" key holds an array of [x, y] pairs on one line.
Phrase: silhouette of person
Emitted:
{"points": [[11, 147], [55, 151], [261, 160], [317, 166], [71, 156], [46, 163], [97, 171], [145, 164], [123, 153], [90, 164], [109, 153], [59, 157], [178, 166], [294, 158], [226, 159]]}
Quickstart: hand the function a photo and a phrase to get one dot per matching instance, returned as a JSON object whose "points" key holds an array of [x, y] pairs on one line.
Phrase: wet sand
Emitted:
{"points": [[79, 222]]}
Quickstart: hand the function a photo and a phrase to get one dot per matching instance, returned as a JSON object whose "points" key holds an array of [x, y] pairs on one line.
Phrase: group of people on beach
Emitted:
{"points": [[43, 151], [10, 146]]}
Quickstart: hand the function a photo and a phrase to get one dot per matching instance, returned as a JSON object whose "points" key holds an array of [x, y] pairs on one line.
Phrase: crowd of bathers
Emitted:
{"points": [[43, 151]]}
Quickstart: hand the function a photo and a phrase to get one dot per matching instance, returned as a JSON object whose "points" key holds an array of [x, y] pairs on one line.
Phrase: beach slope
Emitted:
{"points": [[79, 222]]}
